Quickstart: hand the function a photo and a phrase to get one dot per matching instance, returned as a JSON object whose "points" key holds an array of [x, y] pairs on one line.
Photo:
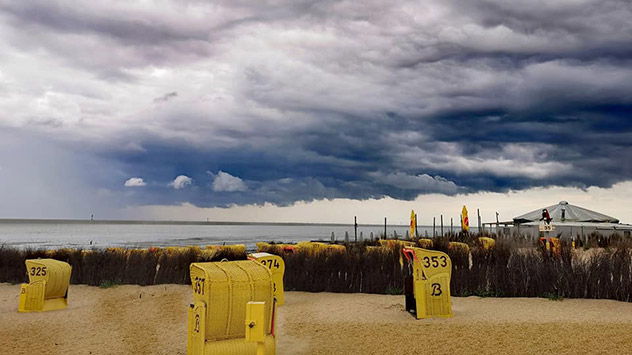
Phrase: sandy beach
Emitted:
{"points": [[152, 320]]}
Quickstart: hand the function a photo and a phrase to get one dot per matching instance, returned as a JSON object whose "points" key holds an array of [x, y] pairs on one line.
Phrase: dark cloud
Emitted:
{"points": [[312, 100], [166, 97]]}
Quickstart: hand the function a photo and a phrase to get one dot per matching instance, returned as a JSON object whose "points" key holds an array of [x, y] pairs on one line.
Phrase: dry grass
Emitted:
{"points": [[509, 269], [118, 265]]}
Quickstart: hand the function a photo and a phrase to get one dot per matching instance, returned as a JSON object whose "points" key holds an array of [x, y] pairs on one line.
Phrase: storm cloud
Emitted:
{"points": [[304, 100]]}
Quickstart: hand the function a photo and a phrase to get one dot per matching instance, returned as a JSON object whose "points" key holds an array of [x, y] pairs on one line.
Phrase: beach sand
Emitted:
{"points": [[152, 320]]}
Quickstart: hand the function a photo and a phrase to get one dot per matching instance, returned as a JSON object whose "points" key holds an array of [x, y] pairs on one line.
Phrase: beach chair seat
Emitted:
{"points": [[219, 318], [427, 291], [47, 289], [553, 244], [486, 242]]}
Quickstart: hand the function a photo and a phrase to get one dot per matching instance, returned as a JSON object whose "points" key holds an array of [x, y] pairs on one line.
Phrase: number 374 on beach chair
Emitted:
{"points": [[47, 289], [428, 289], [276, 265], [234, 309]]}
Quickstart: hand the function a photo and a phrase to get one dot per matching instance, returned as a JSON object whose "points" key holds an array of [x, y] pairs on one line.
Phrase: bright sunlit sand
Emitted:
{"points": [[152, 320]]}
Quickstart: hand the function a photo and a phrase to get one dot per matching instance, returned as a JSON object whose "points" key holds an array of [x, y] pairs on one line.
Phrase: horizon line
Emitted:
{"points": [[173, 222]]}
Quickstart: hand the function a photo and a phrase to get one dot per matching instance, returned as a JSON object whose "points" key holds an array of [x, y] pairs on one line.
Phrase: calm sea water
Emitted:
{"points": [[55, 234]]}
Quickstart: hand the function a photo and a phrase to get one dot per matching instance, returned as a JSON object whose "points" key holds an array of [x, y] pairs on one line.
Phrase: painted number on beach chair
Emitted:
{"points": [[434, 261], [270, 263], [38, 271], [198, 286]]}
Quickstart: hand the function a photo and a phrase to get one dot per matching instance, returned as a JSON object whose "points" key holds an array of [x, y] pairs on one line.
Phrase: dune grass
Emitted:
{"points": [[509, 269], [512, 268], [113, 266]]}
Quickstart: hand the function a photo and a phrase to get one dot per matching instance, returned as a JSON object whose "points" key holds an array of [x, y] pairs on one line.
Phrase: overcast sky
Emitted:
{"points": [[146, 109]]}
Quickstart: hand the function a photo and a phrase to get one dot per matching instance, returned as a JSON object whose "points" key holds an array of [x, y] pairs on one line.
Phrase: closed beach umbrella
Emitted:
{"points": [[413, 223], [465, 221]]}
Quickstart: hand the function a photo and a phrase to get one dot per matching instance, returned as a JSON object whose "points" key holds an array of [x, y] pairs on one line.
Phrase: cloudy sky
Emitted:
{"points": [[313, 110]]}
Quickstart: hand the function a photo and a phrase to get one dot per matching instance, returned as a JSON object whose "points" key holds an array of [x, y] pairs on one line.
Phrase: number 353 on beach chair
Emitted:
{"points": [[234, 311], [47, 289], [428, 290]]}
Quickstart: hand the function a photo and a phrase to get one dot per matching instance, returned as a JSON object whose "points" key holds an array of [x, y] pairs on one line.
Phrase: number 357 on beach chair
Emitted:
{"points": [[234, 311], [47, 289], [428, 290]]}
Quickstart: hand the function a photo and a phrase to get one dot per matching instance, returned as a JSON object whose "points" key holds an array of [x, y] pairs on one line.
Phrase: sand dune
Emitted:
{"points": [[152, 320]]}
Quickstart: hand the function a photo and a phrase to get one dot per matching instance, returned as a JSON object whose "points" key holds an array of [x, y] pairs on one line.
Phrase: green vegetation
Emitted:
{"points": [[390, 290], [553, 296], [109, 284]]}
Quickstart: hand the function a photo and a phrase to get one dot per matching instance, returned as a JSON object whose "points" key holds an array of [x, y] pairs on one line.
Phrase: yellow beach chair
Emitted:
{"points": [[233, 310], [486, 243], [47, 289], [428, 290]]}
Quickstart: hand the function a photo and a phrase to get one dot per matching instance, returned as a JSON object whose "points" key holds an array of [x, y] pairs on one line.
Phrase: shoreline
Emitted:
{"points": [[163, 222]]}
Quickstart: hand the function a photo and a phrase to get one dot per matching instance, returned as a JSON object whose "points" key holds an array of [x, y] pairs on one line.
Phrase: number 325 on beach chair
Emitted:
{"points": [[428, 290], [47, 289]]}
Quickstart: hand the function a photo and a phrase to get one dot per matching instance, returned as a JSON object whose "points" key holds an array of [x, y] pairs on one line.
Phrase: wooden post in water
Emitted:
{"points": [[497, 224], [355, 227], [451, 225], [434, 234], [478, 212], [416, 231], [385, 228], [442, 225]]}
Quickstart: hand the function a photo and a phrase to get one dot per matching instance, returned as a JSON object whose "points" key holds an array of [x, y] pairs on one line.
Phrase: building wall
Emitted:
{"points": [[564, 232]]}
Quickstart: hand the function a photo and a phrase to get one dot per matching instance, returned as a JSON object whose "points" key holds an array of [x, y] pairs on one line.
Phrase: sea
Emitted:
{"points": [[80, 234]]}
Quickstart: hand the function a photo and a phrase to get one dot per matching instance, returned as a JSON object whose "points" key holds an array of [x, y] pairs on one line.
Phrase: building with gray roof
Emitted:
{"points": [[568, 221]]}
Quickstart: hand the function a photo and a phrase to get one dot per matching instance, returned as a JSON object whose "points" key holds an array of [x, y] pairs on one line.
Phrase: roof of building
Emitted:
{"points": [[597, 226], [565, 212]]}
